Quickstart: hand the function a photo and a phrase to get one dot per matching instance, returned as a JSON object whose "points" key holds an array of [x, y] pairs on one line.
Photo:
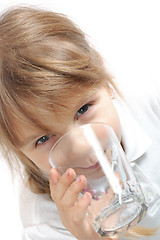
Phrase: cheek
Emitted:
{"points": [[39, 159], [107, 114], [115, 124]]}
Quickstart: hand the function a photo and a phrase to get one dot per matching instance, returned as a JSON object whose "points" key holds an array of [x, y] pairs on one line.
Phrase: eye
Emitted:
{"points": [[83, 110], [42, 140]]}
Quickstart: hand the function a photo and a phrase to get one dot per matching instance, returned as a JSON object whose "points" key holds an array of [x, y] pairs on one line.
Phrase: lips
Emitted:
{"points": [[97, 165]]}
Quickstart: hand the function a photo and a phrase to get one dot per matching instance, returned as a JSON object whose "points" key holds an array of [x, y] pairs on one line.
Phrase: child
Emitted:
{"points": [[53, 80]]}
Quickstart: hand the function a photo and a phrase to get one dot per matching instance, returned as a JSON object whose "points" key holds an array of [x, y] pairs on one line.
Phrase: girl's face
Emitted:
{"points": [[91, 106]]}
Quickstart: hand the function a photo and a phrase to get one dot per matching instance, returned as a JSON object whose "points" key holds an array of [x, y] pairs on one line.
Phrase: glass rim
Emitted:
{"points": [[70, 131]]}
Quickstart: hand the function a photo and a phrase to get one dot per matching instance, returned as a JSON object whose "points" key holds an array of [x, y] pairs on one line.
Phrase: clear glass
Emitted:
{"points": [[93, 150]]}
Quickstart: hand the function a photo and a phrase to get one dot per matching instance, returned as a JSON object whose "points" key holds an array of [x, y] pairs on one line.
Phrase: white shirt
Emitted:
{"points": [[140, 123], [141, 139]]}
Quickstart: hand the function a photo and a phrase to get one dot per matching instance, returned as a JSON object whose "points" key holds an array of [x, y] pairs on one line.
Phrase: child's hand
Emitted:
{"points": [[72, 209]]}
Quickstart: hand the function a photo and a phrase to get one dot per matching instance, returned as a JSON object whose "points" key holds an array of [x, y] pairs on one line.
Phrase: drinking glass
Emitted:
{"points": [[93, 150]]}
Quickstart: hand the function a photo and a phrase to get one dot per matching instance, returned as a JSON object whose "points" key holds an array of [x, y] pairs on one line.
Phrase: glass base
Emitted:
{"points": [[119, 217]]}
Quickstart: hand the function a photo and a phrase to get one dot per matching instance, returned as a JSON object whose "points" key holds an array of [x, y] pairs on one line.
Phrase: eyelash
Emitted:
{"points": [[85, 110], [42, 138]]}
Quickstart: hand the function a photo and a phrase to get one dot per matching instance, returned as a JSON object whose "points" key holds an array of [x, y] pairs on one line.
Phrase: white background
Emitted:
{"points": [[126, 32]]}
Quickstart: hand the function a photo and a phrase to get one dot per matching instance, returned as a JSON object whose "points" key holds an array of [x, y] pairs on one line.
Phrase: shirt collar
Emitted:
{"points": [[135, 140]]}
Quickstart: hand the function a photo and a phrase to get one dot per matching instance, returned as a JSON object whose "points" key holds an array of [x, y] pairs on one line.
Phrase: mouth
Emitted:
{"points": [[95, 166], [92, 172]]}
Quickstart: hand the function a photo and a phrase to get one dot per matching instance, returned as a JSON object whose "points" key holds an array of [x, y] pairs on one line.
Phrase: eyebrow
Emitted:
{"points": [[87, 96]]}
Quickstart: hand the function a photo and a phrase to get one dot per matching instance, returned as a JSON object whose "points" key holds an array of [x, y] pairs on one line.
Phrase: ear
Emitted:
{"points": [[111, 91]]}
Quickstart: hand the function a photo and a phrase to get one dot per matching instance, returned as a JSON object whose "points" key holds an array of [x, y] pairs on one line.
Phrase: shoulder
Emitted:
{"points": [[32, 206], [139, 89], [142, 97]]}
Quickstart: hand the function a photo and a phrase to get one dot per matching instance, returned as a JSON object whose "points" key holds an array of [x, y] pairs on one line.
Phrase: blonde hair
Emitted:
{"points": [[44, 57]]}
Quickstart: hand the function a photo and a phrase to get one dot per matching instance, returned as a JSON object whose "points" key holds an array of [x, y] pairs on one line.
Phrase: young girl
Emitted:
{"points": [[52, 80]]}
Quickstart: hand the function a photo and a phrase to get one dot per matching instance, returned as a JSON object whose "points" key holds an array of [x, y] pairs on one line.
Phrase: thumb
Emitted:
{"points": [[53, 180]]}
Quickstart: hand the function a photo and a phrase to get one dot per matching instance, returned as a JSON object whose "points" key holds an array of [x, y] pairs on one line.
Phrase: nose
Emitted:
{"points": [[71, 127]]}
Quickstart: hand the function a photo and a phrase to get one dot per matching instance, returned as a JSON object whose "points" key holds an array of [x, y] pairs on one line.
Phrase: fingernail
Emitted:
{"points": [[85, 196], [79, 179], [67, 173]]}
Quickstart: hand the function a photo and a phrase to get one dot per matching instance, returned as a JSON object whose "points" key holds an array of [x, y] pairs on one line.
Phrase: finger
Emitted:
{"points": [[63, 184], [81, 207], [53, 180], [72, 193]]}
